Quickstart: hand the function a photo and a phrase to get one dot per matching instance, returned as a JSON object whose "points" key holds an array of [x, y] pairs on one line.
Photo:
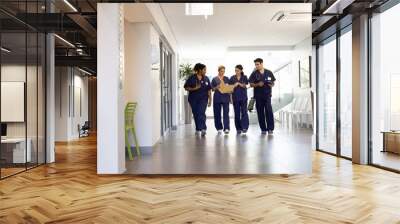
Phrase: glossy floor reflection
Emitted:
{"points": [[182, 152], [386, 159]]}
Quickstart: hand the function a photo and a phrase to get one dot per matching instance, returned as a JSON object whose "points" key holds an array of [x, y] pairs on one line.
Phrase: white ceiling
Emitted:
{"points": [[238, 25]]}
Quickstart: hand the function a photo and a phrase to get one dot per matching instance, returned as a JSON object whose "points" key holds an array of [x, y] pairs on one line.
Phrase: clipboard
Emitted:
{"points": [[226, 88]]}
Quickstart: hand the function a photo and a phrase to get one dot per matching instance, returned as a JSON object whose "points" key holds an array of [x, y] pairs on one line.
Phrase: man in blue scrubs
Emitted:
{"points": [[199, 88], [221, 101], [239, 98], [262, 80]]}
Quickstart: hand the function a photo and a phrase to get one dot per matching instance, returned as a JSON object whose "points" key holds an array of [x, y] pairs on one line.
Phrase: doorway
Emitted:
{"points": [[166, 87]]}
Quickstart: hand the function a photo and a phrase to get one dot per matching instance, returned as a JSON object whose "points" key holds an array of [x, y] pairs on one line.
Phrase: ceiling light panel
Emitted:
{"points": [[199, 9]]}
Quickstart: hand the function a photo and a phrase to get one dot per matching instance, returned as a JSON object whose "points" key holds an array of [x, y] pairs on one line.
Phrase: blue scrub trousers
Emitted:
{"points": [[199, 113], [241, 115], [217, 106], [265, 114]]}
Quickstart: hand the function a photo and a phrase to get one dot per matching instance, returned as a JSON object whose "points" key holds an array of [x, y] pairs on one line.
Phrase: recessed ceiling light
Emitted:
{"points": [[199, 9]]}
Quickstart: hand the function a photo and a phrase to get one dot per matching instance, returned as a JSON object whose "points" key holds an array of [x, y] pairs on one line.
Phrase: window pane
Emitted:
{"points": [[346, 93], [385, 84], [327, 96]]}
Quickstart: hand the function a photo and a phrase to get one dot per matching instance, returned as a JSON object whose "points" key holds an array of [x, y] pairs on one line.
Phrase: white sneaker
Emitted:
{"points": [[244, 132], [226, 131], [203, 132], [270, 132], [219, 132]]}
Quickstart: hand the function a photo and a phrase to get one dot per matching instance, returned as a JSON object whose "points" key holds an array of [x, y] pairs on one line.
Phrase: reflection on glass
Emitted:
{"points": [[22, 90], [327, 96], [385, 84], [346, 94]]}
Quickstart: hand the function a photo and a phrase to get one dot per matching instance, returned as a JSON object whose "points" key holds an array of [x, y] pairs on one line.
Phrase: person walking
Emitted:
{"points": [[239, 100], [221, 101], [199, 88], [262, 80]]}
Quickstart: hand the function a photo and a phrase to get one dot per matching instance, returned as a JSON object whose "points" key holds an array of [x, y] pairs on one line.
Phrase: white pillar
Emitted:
{"points": [[50, 94], [360, 90], [50, 99], [110, 132]]}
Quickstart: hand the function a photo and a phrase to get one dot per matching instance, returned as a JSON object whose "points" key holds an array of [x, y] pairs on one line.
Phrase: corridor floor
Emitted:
{"points": [[182, 152]]}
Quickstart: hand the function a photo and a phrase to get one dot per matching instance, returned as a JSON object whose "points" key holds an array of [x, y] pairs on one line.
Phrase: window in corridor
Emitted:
{"points": [[327, 96], [346, 92], [385, 88]]}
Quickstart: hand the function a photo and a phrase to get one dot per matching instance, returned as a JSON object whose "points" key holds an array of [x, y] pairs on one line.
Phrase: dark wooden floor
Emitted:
{"points": [[70, 191]]}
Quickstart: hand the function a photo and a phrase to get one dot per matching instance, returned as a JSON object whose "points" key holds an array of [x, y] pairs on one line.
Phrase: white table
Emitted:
{"points": [[19, 154]]}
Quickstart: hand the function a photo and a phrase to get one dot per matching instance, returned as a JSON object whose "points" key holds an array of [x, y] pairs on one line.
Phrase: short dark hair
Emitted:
{"points": [[198, 67], [260, 60]]}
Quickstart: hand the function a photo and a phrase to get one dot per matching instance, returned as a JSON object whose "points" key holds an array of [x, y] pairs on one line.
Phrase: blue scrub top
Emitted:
{"points": [[239, 93], [200, 94], [218, 96], [267, 77]]}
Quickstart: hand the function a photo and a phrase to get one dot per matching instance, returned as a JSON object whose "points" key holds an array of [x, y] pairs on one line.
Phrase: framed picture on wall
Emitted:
{"points": [[305, 73]]}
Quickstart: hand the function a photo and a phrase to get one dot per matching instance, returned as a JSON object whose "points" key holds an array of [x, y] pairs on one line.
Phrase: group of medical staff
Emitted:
{"points": [[200, 87]]}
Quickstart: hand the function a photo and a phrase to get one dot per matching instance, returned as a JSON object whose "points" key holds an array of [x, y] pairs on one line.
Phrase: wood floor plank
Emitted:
{"points": [[70, 191]]}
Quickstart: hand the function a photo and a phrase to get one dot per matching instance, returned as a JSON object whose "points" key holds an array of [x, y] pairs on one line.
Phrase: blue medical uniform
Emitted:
{"points": [[221, 101], [239, 98], [263, 95], [198, 100]]}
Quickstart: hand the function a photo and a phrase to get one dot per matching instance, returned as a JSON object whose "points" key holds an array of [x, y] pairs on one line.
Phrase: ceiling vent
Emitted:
{"points": [[291, 16]]}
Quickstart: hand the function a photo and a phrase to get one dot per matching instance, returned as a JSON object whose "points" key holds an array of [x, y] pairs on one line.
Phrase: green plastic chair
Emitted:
{"points": [[130, 110]]}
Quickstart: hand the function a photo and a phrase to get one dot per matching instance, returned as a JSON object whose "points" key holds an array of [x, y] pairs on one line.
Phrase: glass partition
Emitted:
{"points": [[32, 97], [346, 93], [284, 87], [385, 89], [23, 90], [14, 154], [327, 96]]}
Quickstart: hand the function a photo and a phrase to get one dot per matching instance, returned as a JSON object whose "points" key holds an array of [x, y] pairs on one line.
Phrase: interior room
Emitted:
{"points": [[97, 125], [157, 43]]}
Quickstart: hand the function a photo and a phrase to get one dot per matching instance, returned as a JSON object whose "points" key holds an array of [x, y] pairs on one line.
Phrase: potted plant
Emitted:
{"points": [[185, 70]]}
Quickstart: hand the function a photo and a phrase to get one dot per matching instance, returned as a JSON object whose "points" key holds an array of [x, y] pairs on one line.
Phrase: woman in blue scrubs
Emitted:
{"points": [[221, 101], [199, 88], [239, 98]]}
